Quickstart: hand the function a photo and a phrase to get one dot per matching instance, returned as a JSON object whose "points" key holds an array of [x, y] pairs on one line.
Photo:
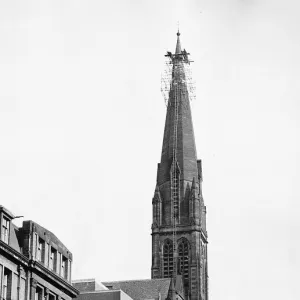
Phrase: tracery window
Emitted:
{"points": [[168, 259], [183, 253]]}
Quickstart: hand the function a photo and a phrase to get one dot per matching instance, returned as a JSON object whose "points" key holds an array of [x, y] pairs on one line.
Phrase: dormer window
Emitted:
{"points": [[5, 230]]}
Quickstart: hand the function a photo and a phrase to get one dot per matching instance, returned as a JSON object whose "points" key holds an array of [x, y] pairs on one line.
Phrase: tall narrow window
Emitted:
{"points": [[64, 267], [53, 259], [7, 278], [5, 281], [40, 256], [183, 253], [51, 296], [22, 289], [168, 259], [58, 267], [5, 230], [38, 293], [1, 283]]}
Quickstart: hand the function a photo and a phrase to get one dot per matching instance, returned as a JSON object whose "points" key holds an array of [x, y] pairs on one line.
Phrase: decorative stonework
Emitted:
{"points": [[33, 282]]}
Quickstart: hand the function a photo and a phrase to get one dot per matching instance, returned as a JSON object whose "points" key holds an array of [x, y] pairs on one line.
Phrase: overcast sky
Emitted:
{"points": [[81, 126]]}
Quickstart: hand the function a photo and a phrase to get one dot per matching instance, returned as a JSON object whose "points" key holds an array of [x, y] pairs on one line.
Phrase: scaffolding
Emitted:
{"points": [[166, 78], [175, 181]]}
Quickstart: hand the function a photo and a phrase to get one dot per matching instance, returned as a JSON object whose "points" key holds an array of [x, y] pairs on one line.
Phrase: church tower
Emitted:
{"points": [[179, 237]]}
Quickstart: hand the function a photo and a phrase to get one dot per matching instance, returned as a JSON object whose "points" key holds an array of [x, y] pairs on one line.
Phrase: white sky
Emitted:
{"points": [[81, 126]]}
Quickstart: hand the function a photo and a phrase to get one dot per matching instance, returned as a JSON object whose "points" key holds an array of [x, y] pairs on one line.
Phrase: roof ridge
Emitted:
{"points": [[84, 280], [100, 291], [131, 280]]}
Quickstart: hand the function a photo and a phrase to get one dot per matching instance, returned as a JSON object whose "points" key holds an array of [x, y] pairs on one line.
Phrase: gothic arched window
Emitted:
{"points": [[183, 253], [168, 259]]}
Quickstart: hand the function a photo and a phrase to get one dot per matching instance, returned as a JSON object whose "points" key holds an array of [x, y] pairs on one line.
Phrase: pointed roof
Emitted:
{"points": [[178, 45], [156, 197], [193, 184], [157, 193], [176, 289], [185, 148]]}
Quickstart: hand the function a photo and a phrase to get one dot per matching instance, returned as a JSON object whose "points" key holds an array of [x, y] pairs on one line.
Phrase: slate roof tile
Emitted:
{"points": [[142, 289]]}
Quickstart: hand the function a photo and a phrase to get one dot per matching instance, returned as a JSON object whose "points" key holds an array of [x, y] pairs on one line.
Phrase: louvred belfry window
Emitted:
{"points": [[168, 259], [183, 252]]}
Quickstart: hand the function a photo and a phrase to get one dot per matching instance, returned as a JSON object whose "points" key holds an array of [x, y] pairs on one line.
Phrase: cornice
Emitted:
{"points": [[35, 265], [14, 254], [180, 230]]}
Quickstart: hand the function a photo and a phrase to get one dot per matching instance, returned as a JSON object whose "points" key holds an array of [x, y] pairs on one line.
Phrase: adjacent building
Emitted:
{"points": [[90, 289], [145, 289], [34, 263]]}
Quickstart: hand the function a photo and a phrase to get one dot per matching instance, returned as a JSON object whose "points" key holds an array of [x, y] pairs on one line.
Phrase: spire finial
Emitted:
{"points": [[178, 46], [178, 33]]}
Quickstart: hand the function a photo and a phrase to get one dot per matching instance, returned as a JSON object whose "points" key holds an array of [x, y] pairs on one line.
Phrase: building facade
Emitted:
{"points": [[179, 236], [145, 289], [34, 264]]}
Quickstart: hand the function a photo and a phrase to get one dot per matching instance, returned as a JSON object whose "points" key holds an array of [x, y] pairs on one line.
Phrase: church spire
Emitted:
{"points": [[179, 238], [181, 117]]}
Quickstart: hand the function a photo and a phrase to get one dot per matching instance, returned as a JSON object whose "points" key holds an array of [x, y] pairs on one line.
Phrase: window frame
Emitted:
{"points": [[5, 229], [183, 258], [39, 292], [53, 259], [40, 250], [7, 284], [52, 296], [168, 258], [64, 267]]}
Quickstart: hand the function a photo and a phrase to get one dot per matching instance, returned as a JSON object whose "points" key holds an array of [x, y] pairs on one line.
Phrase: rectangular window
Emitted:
{"points": [[5, 281], [64, 267], [1, 273], [39, 251], [7, 278], [22, 289], [38, 293], [51, 296], [40, 256], [58, 268], [5, 230], [53, 259], [69, 270]]}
